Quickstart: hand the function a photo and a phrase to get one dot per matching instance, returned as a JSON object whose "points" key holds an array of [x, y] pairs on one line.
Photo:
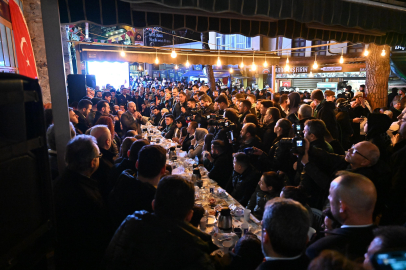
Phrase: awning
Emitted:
{"points": [[144, 54], [337, 20], [193, 73], [398, 66]]}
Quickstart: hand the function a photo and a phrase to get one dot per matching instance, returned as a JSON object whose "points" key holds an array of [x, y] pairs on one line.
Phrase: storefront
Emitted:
{"points": [[305, 78]]}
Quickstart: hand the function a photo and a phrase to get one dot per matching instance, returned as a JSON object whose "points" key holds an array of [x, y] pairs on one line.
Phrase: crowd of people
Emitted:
{"points": [[324, 173]]}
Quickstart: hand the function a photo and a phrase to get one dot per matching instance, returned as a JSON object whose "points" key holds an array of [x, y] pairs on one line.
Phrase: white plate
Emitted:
{"points": [[210, 220], [233, 238]]}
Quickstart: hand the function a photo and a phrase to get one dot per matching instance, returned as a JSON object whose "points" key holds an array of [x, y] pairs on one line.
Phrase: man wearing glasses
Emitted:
{"points": [[361, 158]]}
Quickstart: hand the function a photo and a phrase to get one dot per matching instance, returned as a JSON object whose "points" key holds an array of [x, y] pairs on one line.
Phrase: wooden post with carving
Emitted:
{"points": [[378, 69]]}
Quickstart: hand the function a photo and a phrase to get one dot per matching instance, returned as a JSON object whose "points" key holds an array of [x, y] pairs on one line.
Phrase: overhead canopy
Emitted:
{"points": [[144, 54], [337, 20]]}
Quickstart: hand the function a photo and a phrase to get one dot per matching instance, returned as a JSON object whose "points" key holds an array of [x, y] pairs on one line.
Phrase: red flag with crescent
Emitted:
{"points": [[24, 52]]}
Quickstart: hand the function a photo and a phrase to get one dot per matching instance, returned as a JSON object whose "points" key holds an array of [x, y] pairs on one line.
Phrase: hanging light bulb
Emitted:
{"points": [[287, 67], [311, 74], [156, 57], [187, 61], [139, 67], [176, 67], [218, 62], [366, 52], [265, 63], [315, 66], [242, 63], [253, 67], [383, 52], [173, 54], [231, 70], [342, 58], [122, 53]]}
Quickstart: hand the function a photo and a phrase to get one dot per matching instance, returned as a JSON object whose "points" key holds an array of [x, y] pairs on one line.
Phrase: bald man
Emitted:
{"points": [[361, 158], [106, 162], [352, 201]]}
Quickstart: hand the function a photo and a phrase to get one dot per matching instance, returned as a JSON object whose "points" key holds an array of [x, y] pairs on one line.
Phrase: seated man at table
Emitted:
{"points": [[136, 192], [244, 179], [163, 239], [170, 127], [284, 235], [221, 163]]}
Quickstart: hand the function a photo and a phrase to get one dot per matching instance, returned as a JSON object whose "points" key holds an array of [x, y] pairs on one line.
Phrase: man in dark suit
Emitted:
{"points": [[138, 100], [132, 120], [352, 200], [284, 235], [170, 127], [221, 163], [84, 229], [84, 108]]}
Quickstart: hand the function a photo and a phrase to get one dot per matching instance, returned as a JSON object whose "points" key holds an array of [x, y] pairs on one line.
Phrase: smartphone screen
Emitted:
{"points": [[299, 143], [231, 135], [208, 117], [298, 128], [389, 260]]}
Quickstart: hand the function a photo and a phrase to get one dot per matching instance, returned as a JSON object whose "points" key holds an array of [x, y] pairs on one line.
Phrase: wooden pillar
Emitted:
{"points": [[33, 17], [204, 37], [378, 69]]}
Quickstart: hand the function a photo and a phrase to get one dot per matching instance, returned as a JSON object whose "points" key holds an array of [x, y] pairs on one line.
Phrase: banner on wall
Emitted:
{"points": [[24, 52]]}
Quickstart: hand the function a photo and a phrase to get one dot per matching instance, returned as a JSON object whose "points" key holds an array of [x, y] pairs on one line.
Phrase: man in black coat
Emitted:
{"points": [[164, 239], [84, 229], [135, 192], [170, 127], [326, 112], [124, 98], [180, 107], [103, 109], [138, 100], [127, 163], [101, 175], [244, 179], [191, 128], [156, 116], [362, 158], [221, 163], [285, 225], [84, 108], [352, 199]]}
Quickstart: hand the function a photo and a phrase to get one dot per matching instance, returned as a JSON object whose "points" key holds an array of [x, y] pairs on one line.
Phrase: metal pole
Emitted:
{"points": [[273, 79], [56, 72]]}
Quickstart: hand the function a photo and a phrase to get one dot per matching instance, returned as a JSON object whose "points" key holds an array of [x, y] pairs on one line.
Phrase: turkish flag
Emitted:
{"points": [[25, 55]]}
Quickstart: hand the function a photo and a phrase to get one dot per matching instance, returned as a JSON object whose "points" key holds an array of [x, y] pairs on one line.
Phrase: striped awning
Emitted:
{"points": [[337, 20]]}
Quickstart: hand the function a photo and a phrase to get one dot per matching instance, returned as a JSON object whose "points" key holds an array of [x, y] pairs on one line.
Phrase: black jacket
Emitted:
{"points": [[118, 168], [351, 242], [322, 167], [145, 241], [129, 195], [327, 114], [121, 99], [258, 201], [157, 118], [221, 169], [241, 186], [177, 109], [83, 225], [138, 101], [317, 195], [83, 124], [299, 264], [169, 131], [101, 175], [268, 136], [186, 142]]}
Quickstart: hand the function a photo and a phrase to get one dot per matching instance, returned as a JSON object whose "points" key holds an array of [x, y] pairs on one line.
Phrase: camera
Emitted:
{"points": [[297, 143], [344, 106]]}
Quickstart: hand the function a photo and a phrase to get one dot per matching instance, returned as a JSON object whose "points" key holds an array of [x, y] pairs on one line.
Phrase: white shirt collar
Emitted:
{"points": [[356, 226], [282, 258]]}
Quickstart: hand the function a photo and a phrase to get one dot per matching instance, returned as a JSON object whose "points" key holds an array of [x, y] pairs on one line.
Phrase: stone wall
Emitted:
{"points": [[33, 17]]}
